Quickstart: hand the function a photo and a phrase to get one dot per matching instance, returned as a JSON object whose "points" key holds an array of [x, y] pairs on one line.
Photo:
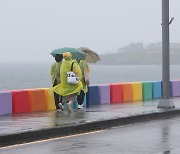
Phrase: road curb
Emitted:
{"points": [[30, 136]]}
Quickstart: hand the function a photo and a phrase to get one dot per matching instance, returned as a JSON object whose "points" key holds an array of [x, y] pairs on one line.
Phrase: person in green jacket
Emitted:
{"points": [[55, 77], [85, 81], [69, 92]]}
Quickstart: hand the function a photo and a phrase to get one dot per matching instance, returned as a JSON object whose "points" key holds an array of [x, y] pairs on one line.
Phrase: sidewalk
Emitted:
{"points": [[40, 125]]}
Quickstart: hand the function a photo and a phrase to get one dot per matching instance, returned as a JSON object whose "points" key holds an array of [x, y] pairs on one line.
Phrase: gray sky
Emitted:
{"points": [[30, 29]]}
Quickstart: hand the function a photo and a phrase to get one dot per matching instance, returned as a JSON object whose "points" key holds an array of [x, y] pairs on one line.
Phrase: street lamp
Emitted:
{"points": [[165, 102]]}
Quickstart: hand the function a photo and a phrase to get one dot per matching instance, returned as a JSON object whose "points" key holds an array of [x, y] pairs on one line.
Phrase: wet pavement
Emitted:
{"points": [[39, 121], [152, 137]]}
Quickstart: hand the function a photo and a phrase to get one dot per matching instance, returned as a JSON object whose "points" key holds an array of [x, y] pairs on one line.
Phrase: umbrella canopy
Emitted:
{"points": [[91, 56], [76, 54]]}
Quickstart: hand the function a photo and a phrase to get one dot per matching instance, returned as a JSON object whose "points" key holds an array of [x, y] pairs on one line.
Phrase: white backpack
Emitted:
{"points": [[72, 78]]}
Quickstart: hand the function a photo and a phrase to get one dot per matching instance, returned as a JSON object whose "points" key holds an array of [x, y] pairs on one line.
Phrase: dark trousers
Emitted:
{"points": [[57, 97], [80, 97]]}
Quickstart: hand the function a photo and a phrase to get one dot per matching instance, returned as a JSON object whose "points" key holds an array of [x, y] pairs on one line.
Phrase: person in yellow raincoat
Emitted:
{"points": [[55, 77], [85, 71], [69, 92]]}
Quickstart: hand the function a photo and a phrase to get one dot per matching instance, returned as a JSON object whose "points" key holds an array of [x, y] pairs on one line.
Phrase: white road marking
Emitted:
{"points": [[51, 139]]}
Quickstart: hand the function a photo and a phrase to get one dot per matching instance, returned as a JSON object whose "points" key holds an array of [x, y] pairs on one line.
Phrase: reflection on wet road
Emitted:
{"points": [[159, 137]]}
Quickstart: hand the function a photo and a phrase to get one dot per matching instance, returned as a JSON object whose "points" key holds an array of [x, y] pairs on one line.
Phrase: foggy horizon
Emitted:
{"points": [[30, 30]]}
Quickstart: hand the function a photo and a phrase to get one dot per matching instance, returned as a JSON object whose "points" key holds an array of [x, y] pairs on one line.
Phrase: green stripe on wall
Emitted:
{"points": [[147, 90]]}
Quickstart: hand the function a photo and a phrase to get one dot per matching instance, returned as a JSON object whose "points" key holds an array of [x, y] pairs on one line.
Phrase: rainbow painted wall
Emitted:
{"points": [[41, 99]]}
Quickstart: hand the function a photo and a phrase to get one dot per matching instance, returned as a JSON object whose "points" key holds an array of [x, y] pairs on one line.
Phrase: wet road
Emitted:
{"points": [[158, 137]]}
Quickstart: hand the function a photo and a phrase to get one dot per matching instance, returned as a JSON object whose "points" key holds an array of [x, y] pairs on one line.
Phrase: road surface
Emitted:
{"points": [[158, 137]]}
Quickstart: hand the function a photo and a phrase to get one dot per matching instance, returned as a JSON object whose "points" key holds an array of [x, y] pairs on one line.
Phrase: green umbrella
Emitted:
{"points": [[76, 54]]}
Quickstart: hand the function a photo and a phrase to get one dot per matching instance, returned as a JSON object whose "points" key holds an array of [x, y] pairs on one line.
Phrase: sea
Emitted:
{"points": [[37, 75]]}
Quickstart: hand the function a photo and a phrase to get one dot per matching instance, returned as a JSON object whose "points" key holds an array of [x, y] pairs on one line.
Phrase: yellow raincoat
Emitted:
{"points": [[55, 72], [64, 88], [83, 64]]}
